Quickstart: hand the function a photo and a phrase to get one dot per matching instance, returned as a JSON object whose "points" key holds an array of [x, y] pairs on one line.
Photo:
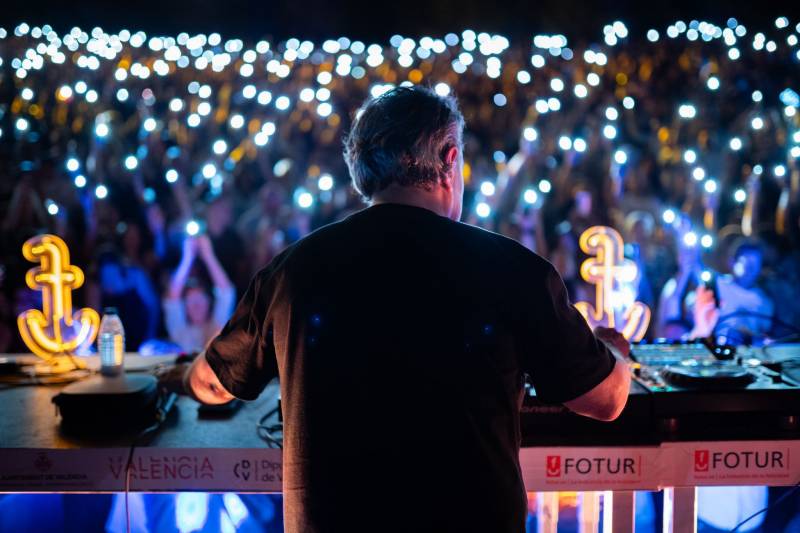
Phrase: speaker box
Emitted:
{"points": [[108, 405]]}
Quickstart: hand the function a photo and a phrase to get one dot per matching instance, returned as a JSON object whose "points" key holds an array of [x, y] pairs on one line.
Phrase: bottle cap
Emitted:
{"points": [[110, 311]]}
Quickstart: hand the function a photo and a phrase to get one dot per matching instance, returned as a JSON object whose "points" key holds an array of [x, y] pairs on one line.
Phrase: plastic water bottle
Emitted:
{"points": [[111, 343]]}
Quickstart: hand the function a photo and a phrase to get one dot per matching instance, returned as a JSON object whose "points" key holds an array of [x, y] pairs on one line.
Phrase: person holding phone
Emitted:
{"points": [[190, 319]]}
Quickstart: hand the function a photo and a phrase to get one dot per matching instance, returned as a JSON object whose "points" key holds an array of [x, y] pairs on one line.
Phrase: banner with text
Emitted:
{"points": [[683, 464], [152, 469], [733, 463], [576, 468]]}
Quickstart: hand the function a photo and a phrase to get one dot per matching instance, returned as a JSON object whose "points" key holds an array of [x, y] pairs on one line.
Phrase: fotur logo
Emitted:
{"points": [[556, 466], [553, 466], [701, 460], [705, 461]]}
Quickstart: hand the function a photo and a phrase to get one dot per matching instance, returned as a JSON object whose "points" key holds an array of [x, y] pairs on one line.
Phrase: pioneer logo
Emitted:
{"points": [[553, 466], [586, 466], [705, 460]]}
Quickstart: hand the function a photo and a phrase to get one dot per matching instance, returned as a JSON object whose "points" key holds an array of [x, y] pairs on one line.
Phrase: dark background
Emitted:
{"points": [[379, 19]]}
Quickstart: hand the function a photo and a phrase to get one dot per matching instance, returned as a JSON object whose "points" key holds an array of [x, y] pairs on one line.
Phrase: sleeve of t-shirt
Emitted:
{"points": [[243, 355], [559, 352]]}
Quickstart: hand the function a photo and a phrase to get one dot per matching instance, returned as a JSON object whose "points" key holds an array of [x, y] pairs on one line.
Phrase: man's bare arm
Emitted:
{"points": [[202, 384], [607, 400]]}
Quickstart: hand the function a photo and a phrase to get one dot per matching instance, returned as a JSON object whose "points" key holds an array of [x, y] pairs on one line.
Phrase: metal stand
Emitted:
{"points": [[680, 510], [547, 512], [619, 509]]}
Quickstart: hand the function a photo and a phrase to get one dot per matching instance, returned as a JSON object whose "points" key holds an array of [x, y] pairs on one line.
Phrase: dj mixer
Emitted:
{"points": [[687, 391]]}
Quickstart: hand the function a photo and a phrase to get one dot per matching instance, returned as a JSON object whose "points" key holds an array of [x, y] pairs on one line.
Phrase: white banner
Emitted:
{"points": [[152, 469], [733, 463], [596, 468], [683, 464]]}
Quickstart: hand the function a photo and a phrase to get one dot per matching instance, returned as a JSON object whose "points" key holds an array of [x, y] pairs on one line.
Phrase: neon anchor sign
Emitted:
{"points": [[52, 333], [607, 270]]}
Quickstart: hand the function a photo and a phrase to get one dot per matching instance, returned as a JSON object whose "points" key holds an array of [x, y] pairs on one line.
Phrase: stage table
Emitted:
{"points": [[191, 453]]}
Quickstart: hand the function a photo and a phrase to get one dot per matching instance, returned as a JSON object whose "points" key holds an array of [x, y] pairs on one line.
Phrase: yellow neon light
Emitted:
{"points": [[43, 331], [605, 270]]}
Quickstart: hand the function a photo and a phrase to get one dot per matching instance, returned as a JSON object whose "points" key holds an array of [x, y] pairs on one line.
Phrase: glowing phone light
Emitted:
{"points": [[607, 270], [192, 228], [545, 186], [49, 333]]}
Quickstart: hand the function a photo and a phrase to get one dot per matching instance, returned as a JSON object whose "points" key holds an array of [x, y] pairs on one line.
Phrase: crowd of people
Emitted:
{"points": [[176, 167]]}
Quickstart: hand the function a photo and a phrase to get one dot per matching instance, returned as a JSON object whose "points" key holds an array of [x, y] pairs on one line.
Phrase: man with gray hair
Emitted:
{"points": [[401, 338]]}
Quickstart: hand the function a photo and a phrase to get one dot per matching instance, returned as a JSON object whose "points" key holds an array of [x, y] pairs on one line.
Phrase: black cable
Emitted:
{"points": [[743, 312], [785, 338], [765, 509], [267, 433], [161, 415], [128, 466], [768, 347]]}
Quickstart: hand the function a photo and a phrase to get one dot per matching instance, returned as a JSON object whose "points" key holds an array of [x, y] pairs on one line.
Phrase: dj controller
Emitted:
{"points": [[686, 391]]}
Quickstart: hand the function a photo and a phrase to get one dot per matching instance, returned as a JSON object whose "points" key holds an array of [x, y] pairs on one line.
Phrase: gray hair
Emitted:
{"points": [[402, 137]]}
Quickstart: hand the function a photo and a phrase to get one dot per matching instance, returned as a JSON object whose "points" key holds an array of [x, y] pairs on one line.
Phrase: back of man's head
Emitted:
{"points": [[402, 137]]}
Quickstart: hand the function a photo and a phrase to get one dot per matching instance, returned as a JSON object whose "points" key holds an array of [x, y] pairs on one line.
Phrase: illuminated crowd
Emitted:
{"points": [[177, 166]]}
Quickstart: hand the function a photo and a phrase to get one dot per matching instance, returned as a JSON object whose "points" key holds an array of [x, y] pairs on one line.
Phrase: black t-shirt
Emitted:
{"points": [[400, 339]]}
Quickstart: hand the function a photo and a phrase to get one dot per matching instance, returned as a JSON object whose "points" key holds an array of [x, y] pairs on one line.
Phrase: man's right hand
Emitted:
{"points": [[202, 384], [607, 400]]}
